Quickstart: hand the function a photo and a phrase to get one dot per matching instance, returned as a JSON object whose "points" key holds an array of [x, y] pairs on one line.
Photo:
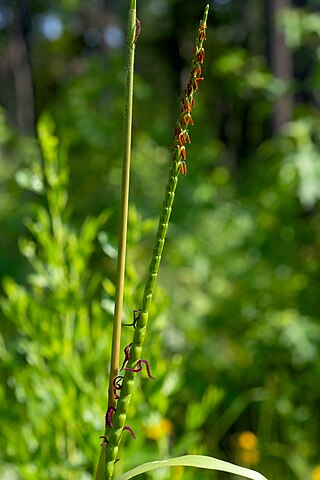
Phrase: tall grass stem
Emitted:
{"points": [[101, 473], [116, 336]]}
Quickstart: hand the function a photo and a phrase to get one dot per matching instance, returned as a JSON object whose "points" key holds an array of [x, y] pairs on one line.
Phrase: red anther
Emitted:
{"points": [[105, 440], [202, 33], [183, 152], [182, 139], [129, 429], [187, 119], [147, 367], [127, 351], [192, 102], [109, 413], [196, 71], [195, 82], [126, 355], [188, 106], [200, 55], [183, 167], [138, 31], [139, 368], [116, 386]]}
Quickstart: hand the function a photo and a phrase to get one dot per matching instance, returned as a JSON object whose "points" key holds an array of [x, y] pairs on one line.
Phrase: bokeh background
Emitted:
{"points": [[234, 332]]}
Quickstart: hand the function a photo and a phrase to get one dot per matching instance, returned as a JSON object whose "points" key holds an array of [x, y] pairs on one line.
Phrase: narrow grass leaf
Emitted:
{"points": [[199, 461]]}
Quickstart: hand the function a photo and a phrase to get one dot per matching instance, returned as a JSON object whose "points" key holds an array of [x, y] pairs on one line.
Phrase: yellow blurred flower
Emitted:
{"points": [[159, 430], [249, 457], [247, 440], [316, 473], [247, 445]]}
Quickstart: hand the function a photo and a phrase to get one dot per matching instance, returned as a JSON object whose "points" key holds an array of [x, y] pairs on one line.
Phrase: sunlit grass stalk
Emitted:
{"points": [[115, 353], [117, 321], [180, 138]]}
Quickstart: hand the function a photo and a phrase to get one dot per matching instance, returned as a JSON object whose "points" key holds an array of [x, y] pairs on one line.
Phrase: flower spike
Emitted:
{"points": [[181, 135], [133, 363]]}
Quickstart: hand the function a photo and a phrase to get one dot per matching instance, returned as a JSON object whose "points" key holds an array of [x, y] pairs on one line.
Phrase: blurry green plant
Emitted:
{"points": [[299, 25], [51, 389]]}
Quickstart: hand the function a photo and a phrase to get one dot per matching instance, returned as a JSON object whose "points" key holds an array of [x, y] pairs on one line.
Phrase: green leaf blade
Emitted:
{"points": [[198, 461]]}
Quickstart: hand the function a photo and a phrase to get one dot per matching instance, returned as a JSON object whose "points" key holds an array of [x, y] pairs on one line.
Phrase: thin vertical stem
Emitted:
{"points": [[101, 473], [115, 352]]}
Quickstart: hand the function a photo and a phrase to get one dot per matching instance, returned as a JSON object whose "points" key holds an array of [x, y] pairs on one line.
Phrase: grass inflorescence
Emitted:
{"points": [[122, 385]]}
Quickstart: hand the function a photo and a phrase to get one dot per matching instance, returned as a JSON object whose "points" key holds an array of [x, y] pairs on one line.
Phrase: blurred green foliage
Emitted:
{"points": [[234, 332]]}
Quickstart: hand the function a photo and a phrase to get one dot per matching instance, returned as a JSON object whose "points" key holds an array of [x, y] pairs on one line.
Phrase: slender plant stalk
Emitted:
{"points": [[115, 353], [117, 321], [115, 419]]}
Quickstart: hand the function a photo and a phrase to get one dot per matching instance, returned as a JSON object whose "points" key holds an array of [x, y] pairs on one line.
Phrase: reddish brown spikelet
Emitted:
{"points": [[202, 32], [188, 106], [182, 138], [200, 55], [183, 167]]}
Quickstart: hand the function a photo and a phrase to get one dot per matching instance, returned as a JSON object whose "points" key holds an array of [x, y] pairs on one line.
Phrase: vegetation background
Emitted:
{"points": [[234, 333]]}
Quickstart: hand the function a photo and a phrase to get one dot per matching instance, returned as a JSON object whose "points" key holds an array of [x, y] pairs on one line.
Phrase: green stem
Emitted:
{"points": [[116, 335], [181, 135], [115, 353]]}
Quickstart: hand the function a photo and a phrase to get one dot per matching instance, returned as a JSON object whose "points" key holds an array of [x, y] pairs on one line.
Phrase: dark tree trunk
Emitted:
{"points": [[21, 70], [281, 63]]}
